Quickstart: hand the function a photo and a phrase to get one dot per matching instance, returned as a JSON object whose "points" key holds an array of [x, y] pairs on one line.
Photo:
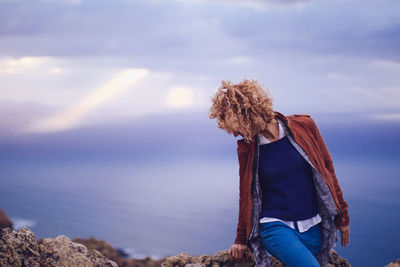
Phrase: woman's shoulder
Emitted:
{"points": [[300, 116], [243, 146], [293, 117], [305, 120]]}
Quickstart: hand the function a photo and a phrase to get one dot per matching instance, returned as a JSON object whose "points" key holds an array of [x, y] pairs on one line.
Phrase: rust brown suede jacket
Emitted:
{"points": [[305, 133]]}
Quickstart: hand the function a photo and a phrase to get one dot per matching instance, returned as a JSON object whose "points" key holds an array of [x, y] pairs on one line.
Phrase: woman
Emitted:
{"points": [[290, 201]]}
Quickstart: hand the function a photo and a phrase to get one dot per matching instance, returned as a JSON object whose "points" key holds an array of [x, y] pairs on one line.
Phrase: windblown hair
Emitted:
{"points": [[245, 108]]}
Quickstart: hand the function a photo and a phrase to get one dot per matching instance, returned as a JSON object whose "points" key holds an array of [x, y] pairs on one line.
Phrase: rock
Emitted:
{"points": [[20, 248], [102, 246], [337, 261], [62, 251], [395, 263], [5, 222], [221, 259], [113, 254]]}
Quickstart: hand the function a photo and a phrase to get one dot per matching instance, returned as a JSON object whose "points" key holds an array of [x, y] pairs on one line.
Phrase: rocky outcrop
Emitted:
{"points": [[5, 222], [221, 259], [20, 248], [111, 253], [337, 261], [395, 263]]}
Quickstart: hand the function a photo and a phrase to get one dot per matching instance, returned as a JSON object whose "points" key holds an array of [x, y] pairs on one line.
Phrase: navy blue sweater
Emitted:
{"points": [[286, 181]]}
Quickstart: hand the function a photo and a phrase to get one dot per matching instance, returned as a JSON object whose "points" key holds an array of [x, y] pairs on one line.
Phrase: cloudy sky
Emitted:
{"points": [[71, 63]]}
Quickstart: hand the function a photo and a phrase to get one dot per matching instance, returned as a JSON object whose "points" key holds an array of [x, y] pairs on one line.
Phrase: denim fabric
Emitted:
{"points": [[289, 246]]}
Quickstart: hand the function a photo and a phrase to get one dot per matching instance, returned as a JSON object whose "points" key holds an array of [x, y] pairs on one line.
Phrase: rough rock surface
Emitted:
{"points": [[395, 263], [5, 222], [111, 253], [221, 259], [336, 260], [20, 248]]}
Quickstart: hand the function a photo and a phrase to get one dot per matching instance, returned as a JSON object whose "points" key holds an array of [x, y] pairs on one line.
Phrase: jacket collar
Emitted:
{"points": [[286, 121], [281, 116], [277, 114]]}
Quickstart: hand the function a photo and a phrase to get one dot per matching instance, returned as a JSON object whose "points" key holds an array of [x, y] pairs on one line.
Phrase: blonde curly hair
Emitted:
{"points": [[245, 108]]}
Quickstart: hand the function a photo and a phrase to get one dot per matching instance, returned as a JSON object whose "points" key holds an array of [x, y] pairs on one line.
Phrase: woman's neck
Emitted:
{"points": [[272, 130]]}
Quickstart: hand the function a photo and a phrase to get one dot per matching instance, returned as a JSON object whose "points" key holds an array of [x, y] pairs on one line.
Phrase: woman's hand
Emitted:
{"points": [[238, 252], [344, 234]]}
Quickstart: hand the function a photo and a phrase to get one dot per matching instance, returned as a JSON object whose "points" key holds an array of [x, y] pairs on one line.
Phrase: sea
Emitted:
{"points": [[161, 185]]}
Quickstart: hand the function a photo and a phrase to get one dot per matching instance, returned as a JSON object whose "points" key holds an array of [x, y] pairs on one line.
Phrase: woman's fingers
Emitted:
{"points": [[234, 254], [346, 238], [240, 253], [237, 252], [345, 234], [343, 239]]}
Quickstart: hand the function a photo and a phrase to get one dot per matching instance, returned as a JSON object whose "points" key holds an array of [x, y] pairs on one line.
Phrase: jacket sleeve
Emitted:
{"points": [[342, 219], [241, 226]]}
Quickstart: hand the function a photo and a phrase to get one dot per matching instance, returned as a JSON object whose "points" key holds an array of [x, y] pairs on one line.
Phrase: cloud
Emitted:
{"points": [[241, 60], [180, 97], [70, 117], [55, 70], [260, 5], [73, 2], [386, 116], [307, 56], [59, 84], [20, 65], [386, 64], [14, 116], [174, 34]]}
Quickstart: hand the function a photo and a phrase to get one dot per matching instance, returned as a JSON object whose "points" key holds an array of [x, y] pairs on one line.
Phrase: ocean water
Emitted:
{"points": [[157, 196]]}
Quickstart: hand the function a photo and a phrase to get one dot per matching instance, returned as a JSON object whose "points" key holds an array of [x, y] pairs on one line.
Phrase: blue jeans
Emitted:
{"points": [[289, 246]]}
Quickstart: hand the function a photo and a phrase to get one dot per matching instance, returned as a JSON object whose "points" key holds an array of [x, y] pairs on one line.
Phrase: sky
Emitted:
{"points": [[66, 64], [88, 85]]}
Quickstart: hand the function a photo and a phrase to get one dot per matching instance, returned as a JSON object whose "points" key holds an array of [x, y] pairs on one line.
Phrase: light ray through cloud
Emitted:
{"points": [[71, 117]]}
